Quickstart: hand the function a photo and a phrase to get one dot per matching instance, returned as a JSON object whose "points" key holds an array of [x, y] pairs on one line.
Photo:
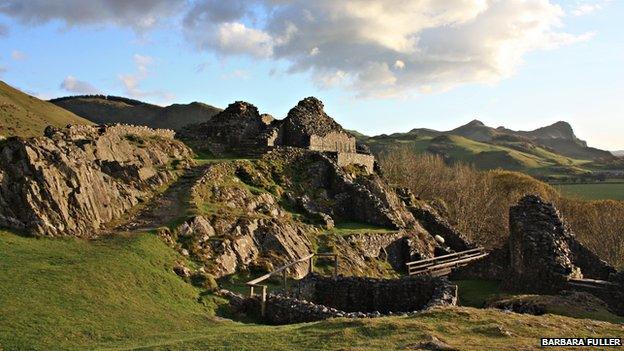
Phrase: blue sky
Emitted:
{"points": [[377, 72]]}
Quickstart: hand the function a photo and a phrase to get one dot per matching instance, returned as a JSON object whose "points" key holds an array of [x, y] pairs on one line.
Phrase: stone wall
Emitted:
{"points": [[351, 297], [125, 129], [539, 252], [238, 130], [343, 159], [590, 264], [370, 295], [390, 247], [334, 141]]}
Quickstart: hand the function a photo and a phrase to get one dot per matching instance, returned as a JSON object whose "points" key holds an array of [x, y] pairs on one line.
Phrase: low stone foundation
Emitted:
{"points": [[316, 297], [347, 158]]}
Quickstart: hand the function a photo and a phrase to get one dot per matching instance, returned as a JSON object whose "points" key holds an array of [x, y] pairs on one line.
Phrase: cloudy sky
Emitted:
{"points": [[380, 66]]}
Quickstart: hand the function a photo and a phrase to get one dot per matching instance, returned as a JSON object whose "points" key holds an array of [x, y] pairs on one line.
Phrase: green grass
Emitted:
{"points": [[205, 157], [26, 116], [474, 293], [594, 191], [56, 293], [350, 228], [121, 294]]}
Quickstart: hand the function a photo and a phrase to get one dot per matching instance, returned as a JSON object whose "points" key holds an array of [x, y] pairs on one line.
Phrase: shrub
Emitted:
{"points": [[205, 281], [477, 202]]}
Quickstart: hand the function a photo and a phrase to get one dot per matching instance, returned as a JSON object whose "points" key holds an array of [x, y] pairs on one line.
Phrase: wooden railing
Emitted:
{"points": [[591, 284], [255, 283], [444, 264]]}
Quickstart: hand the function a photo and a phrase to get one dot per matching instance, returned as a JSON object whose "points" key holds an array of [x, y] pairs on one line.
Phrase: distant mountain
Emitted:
{"points": [[554, 149], [558, 138], [619, 153], [112, 109], [26, 116]]}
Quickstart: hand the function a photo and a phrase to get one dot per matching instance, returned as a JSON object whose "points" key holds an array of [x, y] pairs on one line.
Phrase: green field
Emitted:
{"points": [[120, 293], [593, 191]]}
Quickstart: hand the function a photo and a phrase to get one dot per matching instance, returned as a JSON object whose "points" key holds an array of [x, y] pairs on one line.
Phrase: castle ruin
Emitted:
{"points": [[242, 131]]}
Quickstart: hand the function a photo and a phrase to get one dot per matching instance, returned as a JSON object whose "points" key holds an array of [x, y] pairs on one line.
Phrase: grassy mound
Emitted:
{"points": [[74, 292], [26, 116], [120, 294]]}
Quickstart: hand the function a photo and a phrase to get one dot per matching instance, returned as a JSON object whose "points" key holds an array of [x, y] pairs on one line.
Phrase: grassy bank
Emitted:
{"points": [[121, 294]]}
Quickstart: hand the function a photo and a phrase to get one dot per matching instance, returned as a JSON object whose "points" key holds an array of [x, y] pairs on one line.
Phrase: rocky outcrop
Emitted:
{"points": [[239, 230], [242, 222], [433, 222], [75, 180], [540, 255]]}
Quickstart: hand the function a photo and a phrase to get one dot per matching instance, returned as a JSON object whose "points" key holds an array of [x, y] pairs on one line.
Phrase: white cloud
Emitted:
{"points": [[18, 55], [138, 14], [132, 82], [586, 7], [76, 86], [237, 74], [376, 48], [384, 47], [236, 38]]}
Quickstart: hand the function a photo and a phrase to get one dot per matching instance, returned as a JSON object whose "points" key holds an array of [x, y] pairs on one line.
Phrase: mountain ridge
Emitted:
{"points": [[107, 109]]}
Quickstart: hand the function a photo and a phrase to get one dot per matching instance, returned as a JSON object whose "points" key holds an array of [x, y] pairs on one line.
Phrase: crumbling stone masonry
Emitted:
{"points": [[317, 297], [241, 130], [540, 255]]}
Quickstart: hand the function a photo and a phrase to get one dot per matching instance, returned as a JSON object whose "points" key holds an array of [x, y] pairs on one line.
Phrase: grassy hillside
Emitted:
{"points": [[26, 116], [111, 109], [57, 293], [120, 293], [510, 155]]}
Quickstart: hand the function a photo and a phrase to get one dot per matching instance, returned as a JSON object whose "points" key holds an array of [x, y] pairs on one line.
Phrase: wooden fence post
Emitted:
{"points": [[251, 291], [311, 267], [263, 301], [284, 278]]}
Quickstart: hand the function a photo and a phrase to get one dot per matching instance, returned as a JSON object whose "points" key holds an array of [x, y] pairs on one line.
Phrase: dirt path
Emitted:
{"points": [[167, 206]]}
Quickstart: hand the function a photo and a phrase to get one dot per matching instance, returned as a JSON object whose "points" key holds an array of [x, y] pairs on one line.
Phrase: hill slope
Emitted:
{"points": [[518, 156], [111, 109], [120, 293], [26, 116]]}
